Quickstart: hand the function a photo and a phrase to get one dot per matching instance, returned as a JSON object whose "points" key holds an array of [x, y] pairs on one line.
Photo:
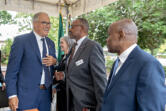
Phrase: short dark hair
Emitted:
{"points": [[84, 22]]}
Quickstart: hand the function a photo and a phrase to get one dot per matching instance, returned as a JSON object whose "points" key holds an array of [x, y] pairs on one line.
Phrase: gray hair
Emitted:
{"points": [[36, 16], [69, 41], [128, 26]]}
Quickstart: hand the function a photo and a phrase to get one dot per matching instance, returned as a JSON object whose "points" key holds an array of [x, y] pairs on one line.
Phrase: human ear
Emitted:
{"points": [[121, 34]]}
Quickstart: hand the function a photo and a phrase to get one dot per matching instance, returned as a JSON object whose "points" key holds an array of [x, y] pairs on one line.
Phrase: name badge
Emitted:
{"points": [[79, 62]]}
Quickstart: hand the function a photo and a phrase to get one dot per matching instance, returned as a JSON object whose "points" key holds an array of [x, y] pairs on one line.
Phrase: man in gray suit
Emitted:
{"points": [[85, 72]]}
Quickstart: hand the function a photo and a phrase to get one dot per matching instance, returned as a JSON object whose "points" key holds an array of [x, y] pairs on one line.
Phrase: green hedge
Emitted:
{"points": [[165, 69]]}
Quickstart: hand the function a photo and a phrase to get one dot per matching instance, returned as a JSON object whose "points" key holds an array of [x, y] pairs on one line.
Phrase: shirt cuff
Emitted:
{"points": [[12, 96]]}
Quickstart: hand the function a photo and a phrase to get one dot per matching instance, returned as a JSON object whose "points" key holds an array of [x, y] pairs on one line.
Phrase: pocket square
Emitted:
{"points": [[79, 62]]}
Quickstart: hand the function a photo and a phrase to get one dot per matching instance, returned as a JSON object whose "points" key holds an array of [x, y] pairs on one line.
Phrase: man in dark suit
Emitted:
{"points": [[85, 72], [137, 79], [30, 68]]}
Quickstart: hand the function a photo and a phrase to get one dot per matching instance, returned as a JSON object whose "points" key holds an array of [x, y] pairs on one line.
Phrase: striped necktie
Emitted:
{"points": [[46, 68]]}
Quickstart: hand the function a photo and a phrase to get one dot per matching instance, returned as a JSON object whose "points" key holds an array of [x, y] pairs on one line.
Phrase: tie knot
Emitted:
{"points": [[117, 62], [118, 59], [75, 44], [42, 39]]}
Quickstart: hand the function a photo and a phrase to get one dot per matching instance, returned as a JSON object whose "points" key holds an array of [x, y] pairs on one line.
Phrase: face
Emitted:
{"points": [[75, 30], [42, 26], [63, 45], [113, 40]]}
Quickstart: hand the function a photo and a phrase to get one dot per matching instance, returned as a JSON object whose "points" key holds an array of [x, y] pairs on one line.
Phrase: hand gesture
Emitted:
{"points": [[13, 103], [59, 76], [49, 60], [3, 86]]}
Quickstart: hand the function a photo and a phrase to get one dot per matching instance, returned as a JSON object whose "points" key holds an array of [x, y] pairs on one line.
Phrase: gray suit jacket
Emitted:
{"points": [[86, 76]]}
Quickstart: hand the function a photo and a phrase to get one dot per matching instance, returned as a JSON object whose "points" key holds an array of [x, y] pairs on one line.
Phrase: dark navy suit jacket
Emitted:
{"points": [[24, 69], [139, 85]]}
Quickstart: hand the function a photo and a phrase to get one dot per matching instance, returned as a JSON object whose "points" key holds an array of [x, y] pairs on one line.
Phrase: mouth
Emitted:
{"points": [[46, 30]]}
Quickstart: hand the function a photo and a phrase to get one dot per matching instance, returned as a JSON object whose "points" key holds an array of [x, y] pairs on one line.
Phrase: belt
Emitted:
{"points": [[43, 87]]}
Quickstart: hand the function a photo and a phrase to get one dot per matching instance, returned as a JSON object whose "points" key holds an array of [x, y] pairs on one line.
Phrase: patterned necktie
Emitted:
{"points": [[72, 53], [46, 69], [114, 71]]}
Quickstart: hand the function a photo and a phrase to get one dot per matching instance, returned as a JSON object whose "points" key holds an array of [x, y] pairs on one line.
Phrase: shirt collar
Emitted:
{"points": [[80, 40], [38, 37], [126, 53]]}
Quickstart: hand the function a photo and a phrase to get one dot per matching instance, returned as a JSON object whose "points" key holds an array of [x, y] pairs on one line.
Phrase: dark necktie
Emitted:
{"points": [[114, 71], [46, 69], [72, 53]]}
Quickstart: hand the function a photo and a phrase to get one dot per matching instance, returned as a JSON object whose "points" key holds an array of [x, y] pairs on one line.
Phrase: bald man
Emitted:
{"points": [[30, 68], [136, 81]]}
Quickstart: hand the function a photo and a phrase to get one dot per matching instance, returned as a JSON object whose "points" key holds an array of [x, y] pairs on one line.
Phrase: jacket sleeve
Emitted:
{"points": [[98, 70], [13, 67], [151, 88]]}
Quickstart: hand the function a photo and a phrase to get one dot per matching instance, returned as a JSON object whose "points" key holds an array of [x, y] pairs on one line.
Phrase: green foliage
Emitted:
{"points": [[53, 34], [6, 51], [5, 18], [24, 21], [165, 69], [149, 16]]}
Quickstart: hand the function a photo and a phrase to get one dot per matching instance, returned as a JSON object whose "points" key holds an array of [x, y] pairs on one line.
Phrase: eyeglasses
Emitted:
{"points": [[72, 26], [45, 23]]}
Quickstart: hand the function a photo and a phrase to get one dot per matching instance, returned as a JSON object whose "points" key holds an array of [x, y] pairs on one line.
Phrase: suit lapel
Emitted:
{"points": [[120, 72], [35, 46], [126, 64], [78, 53]]}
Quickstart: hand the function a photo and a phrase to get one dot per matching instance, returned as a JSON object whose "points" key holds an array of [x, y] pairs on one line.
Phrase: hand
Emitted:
{"points": [[49, 60], [3, 86], [53, 91], [59, 76], [13, 103]]}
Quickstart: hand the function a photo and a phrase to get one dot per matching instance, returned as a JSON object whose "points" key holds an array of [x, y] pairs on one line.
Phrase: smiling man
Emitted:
{"points": [[30, 68]]}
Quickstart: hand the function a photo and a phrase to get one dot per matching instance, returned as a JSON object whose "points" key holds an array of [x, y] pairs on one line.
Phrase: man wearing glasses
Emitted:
{"points": [[85, 72], [30, 68]]}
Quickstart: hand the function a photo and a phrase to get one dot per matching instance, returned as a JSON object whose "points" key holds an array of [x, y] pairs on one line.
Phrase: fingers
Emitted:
{"points": [[59, 76], [54, 91], [13, 103], [49, 60], [3, 86]]}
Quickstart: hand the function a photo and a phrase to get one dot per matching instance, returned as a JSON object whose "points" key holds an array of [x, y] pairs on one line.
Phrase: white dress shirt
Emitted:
{"points": [[123, 56], [40, 45], [78, 44]]}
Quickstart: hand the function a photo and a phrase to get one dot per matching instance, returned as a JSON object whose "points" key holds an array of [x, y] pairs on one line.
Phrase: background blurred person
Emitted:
{"points": [[65, 43], [3, 96], [2, 81]]}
